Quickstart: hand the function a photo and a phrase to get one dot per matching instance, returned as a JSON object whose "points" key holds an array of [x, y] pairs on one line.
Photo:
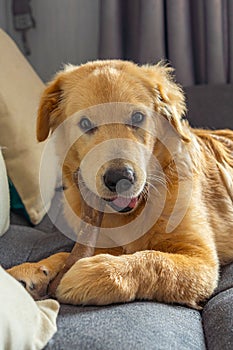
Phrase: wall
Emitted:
{"points": [[63, 28]]}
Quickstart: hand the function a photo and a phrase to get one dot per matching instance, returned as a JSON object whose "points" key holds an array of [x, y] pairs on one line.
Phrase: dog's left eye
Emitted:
{"points": [[137, 118], [85, 124]]}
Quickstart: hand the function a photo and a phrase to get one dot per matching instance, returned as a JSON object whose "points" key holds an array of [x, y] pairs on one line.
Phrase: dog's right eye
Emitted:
{"points": [[137, 118], [85, 124]]}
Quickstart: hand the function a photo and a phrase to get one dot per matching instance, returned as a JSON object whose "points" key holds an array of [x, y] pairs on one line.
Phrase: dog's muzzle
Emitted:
{"points": [[120, 181]]}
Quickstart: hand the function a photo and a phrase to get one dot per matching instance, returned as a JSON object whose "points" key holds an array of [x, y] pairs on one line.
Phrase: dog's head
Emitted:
{"points": [[113, 106]]}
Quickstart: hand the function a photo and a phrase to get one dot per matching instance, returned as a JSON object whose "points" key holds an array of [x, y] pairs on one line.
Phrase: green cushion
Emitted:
{"points": [[16, 203]]}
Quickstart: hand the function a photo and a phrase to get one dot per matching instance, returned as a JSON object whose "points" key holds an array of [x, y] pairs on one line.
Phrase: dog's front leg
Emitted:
{"points": [[176, 278], [187, 276]]}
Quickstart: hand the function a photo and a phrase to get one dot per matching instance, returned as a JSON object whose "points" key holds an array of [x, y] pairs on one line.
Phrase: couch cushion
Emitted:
{"points": [[21, 243], [20, 90], [217, 314], [137, 325], [226, 279], [218, 321], [210, 106]]}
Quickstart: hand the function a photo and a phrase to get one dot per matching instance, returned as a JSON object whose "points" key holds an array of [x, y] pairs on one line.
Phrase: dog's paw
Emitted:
{"points": [[34, 277], [99, 280]]}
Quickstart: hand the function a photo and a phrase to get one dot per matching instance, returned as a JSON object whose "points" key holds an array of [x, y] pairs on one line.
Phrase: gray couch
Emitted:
{"points": [[136, 325]]}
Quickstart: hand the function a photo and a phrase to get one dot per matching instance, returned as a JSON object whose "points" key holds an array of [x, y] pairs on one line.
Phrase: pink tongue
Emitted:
{"points": [[122, 202]]}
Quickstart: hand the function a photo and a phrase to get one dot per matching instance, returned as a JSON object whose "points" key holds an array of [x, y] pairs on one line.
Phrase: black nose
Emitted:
{"points": [[119, 180]]}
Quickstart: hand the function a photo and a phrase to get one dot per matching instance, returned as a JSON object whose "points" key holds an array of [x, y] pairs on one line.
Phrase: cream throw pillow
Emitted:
{"points": [[20, 90], [4, 198], [24, 323]]}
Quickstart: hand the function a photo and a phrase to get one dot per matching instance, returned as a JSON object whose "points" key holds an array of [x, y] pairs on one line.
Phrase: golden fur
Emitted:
{"points": [[180, 266]]}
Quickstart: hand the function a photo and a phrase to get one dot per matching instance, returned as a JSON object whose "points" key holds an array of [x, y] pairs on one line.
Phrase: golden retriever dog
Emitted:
{"points": [[145, 155]]}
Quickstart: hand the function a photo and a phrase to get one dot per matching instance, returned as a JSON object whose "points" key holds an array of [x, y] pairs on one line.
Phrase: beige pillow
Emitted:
{"points": [[20, 90], [24, 323], [4, 198]]}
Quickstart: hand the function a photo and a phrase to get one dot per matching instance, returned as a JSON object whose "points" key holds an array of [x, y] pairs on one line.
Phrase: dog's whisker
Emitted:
{"points": [[157, 173], [145, 193], [153, 187], [159, 180], [162, 176]]}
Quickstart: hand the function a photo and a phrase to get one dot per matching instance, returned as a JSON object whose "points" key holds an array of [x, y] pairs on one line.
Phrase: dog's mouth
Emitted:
{"points": [[123, 204], [119, 202]]}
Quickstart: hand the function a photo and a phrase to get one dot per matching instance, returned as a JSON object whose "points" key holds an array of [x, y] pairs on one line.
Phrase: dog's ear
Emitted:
{"points": [[169, 99], [49, 108]]}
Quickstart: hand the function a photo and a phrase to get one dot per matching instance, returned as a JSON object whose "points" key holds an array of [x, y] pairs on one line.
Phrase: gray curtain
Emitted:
{"points": [[196, 36]]}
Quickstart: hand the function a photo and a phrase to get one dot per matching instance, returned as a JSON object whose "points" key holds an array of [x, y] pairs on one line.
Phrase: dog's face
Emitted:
{"points": [[112, 109], [113, 152]]}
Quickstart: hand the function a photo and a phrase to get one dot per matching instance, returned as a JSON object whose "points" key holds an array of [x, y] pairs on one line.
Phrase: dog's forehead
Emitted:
{"points": [[112, 72], [105, 84]]}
